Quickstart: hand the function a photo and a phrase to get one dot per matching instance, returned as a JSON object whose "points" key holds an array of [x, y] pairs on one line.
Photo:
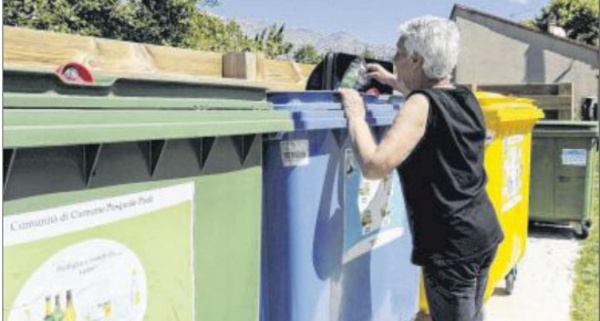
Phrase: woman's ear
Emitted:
{"points": [[417, 61]]}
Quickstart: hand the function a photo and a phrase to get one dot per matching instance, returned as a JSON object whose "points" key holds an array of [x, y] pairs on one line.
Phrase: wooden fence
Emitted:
{"points": [[34, 48], [556, 100]]}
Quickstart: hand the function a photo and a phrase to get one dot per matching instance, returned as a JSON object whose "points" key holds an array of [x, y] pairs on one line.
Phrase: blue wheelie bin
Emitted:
{"points": [[336, 246]]}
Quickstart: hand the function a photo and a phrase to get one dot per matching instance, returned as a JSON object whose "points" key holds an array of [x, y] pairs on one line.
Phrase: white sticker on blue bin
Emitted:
{"points": [[295, 153], [574, 157], [373, 213]]}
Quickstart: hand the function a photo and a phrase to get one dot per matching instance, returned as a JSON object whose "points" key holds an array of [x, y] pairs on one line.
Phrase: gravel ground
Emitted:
{"points": [[544, 282]]}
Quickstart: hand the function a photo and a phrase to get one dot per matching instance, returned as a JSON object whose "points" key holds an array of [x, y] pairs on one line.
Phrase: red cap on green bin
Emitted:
{"points": [[74, 72]]}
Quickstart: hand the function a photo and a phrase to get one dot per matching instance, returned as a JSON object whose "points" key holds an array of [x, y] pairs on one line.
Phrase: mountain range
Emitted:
{"points": [[336, 42]]}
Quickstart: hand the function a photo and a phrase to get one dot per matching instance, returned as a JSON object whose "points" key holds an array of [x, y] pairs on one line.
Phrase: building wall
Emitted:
{"points": [[493, 52]]}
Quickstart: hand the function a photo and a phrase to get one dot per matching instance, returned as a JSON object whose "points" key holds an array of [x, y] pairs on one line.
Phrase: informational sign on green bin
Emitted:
{"points": [[573, 157], [128, 257], [373, 214]]}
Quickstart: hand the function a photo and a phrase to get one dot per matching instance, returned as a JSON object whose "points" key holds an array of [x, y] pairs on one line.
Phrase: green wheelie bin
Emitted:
{"points": [[132, 198], [563, 159]]}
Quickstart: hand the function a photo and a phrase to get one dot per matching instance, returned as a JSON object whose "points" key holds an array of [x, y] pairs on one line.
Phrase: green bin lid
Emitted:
{"points": [[42, 88], [41, 110], [555, 128]]}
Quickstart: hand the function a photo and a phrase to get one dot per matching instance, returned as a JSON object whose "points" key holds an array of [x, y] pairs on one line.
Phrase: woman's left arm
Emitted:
{"points": [[399, 141]]}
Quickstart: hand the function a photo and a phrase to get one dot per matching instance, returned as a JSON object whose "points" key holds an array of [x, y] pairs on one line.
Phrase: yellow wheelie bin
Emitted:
{"points": [[509, 122]]}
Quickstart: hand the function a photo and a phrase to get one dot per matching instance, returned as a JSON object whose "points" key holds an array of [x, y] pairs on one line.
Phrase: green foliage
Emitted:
{"points": [[164, 22], [271, 42], [213, 34], [579, 18], [87, 17], [177, 23], [307, 54]]}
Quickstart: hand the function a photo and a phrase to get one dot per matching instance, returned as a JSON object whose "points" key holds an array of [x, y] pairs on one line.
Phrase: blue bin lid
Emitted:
{"points": [[323, 109]]}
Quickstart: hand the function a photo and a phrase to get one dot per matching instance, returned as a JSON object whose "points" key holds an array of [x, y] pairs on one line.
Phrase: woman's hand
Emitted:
{"points": [[353, 104], [381, 74]]}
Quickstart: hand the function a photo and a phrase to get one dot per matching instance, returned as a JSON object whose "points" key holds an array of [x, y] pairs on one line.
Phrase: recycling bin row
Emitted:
{"points": [[156, 199], [136, 198]]}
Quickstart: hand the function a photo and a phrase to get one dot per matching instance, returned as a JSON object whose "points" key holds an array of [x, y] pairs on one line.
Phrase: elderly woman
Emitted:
{"points": [[437, 145]]}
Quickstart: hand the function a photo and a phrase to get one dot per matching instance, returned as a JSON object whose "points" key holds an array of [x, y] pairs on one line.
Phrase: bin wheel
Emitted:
{"points": [[510, 279], [587, 223], [583, 231]]}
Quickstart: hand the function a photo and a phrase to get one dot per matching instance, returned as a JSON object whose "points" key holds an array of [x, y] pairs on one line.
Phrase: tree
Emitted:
{"points": [[271, 42], [579, 18], [163, 22], [177, 23], [92, 17], [213, 34], [307, 54]]}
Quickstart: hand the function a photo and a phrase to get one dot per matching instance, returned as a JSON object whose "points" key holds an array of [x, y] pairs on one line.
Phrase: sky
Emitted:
{"points": [[372, 21]]}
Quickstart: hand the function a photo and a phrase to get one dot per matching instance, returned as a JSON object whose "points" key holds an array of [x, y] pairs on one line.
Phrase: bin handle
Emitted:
{"points": [[74, 73]]}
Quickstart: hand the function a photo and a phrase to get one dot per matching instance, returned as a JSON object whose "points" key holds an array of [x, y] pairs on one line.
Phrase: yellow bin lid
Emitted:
{"points": [[506, 108]]}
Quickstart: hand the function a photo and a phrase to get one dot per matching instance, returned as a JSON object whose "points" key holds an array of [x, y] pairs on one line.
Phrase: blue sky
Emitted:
{"points": [[372, 21]]}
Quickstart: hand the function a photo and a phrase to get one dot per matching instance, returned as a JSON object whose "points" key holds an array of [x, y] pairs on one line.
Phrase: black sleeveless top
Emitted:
{"points": [[444, 180]]}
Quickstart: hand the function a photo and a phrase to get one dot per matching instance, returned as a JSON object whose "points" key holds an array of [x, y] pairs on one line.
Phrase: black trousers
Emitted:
{"points": [[455, 292]]}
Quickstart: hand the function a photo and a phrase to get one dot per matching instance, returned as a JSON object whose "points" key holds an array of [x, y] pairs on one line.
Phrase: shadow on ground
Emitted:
{"points": [[548, 231]]}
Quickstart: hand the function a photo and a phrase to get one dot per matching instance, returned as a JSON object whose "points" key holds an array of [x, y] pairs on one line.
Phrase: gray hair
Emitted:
{"points": [[436, 40]]}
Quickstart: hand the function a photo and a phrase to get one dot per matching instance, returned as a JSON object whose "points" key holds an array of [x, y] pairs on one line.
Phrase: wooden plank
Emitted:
{"points": [[521, 89], [306, 69], [280, 71], [551, 102], [284, 71], [36, 48], [169, 60], [566, 115], [274, 74], [44, 49]]}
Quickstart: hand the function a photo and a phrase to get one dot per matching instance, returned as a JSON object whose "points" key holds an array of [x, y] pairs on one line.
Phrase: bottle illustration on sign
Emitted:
{"points": [[113, 288], [48, 310], [58, 314], [70, 314], [386, 216], [373, 204], [107, 310], [366, 221], [364, 190]]}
